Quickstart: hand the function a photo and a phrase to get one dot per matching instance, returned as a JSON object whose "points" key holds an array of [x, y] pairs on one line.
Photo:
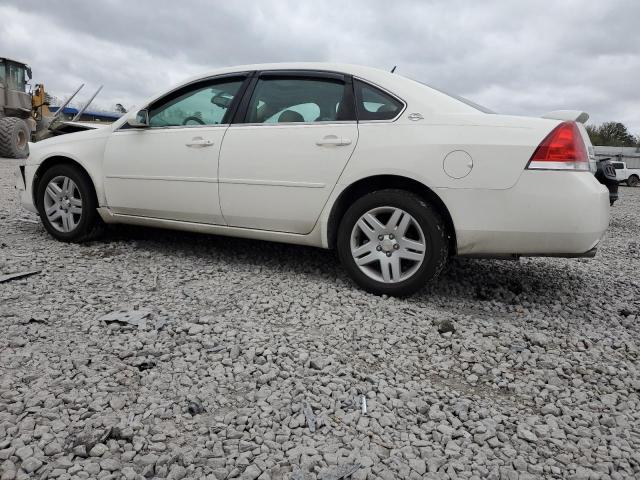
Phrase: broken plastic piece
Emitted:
{"points": [[14, 276], [134, 318], [310, 417], [364, 405]]}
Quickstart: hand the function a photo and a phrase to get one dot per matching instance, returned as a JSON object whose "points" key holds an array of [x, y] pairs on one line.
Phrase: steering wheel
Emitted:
{"points": [[193, 119]]}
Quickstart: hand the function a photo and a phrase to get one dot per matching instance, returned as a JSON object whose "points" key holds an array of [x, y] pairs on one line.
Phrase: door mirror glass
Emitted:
{"points": [[140, 120]]}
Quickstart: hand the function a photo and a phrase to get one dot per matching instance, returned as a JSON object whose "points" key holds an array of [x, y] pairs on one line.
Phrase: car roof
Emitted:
{"points": [[6, 59], [320, 66], [420, 96]]}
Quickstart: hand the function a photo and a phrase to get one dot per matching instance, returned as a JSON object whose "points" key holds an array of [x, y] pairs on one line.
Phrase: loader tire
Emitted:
{"points": [[14, 138]]}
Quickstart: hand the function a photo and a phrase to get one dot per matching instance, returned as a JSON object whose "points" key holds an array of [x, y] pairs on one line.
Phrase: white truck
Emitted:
{"points": [[629, 175]]}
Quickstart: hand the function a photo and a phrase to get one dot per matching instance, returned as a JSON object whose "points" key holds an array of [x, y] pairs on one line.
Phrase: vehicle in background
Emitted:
{"points": [[395, 175], [631, 176], [606, 175], [25, 114]]}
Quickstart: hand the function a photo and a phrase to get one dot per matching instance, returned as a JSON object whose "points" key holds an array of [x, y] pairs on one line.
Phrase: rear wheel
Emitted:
{"points": [[14, 138], [67, 204], [633, 181], [392, 242]]}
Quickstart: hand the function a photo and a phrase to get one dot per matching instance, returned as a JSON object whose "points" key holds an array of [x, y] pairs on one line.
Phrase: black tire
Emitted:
{"points": [[429, 220], [89, 225], [14, 138], [633, 181]]}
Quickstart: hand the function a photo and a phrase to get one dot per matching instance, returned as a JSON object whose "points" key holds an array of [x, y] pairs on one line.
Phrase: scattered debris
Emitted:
{"points": [[339, 472], [37, 320], [195, 408], [446, 326], [310, 417], [145, 365], [118, 433], [127, 318], [14, 276], [26, 220], [625, 312], [159, 323]]}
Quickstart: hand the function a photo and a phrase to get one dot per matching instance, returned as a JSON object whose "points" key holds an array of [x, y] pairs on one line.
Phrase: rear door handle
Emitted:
{"points": [[333, 140], [199, 142]]}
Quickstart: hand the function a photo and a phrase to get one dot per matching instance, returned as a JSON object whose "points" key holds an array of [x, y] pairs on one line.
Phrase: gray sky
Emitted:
{"points": [[519, 57]]}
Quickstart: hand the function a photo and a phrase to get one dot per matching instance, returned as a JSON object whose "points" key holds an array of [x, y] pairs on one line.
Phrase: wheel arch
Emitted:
{"points": [[58, 160], [379, 182]]}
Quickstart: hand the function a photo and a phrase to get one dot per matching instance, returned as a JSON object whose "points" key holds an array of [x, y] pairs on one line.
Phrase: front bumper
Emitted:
{"points": [[546, 213], [26, 200]]}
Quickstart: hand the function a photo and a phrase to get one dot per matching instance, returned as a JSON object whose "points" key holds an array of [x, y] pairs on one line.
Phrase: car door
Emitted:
{"points": [[170, 169], [279, 165]]}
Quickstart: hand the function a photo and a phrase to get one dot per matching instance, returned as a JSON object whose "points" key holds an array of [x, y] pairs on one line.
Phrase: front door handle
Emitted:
{"points": [[333, 140], [199, 142]]}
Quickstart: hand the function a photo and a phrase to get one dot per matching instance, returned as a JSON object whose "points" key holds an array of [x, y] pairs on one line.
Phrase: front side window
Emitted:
{"points": [[297, 100], [202, 105], [618, 166], [374, 104]]}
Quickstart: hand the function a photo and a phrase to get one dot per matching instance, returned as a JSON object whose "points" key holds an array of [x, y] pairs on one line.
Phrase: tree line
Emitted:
{"points": [[612, 134]]}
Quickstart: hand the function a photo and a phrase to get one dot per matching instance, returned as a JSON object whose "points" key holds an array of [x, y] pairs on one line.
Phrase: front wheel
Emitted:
{"points": [[67, 204], [392, 242], [633, 181]]}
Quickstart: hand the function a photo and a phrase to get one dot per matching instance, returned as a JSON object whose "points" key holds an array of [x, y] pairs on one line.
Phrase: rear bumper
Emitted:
{"points": [[547, 213]]}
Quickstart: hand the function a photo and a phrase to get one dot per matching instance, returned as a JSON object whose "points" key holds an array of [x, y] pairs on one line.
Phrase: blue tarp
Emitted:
{"points": [[73, 111]]}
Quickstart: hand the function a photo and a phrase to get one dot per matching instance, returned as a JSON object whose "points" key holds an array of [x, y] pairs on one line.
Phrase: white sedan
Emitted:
{"points": [[396, 175]]}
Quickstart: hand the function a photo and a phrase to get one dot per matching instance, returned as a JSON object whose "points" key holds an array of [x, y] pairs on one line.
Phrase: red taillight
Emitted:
{"points": [[562, 149]]}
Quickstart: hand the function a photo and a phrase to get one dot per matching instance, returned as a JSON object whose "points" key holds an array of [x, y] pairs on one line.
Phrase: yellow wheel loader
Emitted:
{"points": [[25, 114]]}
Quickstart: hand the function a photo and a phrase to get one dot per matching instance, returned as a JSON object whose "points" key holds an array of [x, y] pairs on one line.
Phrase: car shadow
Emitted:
{"points": [[536, 281]]}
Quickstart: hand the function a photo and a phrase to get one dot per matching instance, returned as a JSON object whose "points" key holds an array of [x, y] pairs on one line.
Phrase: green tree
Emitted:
{"points": [[611, 134]]}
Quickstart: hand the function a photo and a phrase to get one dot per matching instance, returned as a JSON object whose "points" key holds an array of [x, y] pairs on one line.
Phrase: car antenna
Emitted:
{"points": [[393, 69]]}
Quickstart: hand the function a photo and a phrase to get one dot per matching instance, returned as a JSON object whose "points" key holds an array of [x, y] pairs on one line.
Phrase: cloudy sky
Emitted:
{"points": [[518, 57]]}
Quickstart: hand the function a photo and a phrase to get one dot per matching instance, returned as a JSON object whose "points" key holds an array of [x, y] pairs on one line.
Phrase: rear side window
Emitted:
{"points": [[375, 104], [297, 100]]}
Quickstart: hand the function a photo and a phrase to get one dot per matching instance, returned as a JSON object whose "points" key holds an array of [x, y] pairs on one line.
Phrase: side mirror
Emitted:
{"points": [[140, 120], [29, 73]]}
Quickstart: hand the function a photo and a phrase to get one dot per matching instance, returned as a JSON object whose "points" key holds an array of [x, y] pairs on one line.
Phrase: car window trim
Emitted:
{"points": [[348, 95], [226, 119], [382, 89]]}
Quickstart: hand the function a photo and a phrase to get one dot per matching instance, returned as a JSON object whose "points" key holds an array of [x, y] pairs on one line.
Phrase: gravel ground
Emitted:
{"points": [[252, 361]]}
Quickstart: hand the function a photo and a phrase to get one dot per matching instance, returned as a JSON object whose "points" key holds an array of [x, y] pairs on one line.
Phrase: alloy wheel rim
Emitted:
{"points": [[388, 244], [63, 204]]}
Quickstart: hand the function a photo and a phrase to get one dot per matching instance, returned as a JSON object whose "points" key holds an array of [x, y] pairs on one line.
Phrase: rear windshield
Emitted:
{"points": [[466, 101]]}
